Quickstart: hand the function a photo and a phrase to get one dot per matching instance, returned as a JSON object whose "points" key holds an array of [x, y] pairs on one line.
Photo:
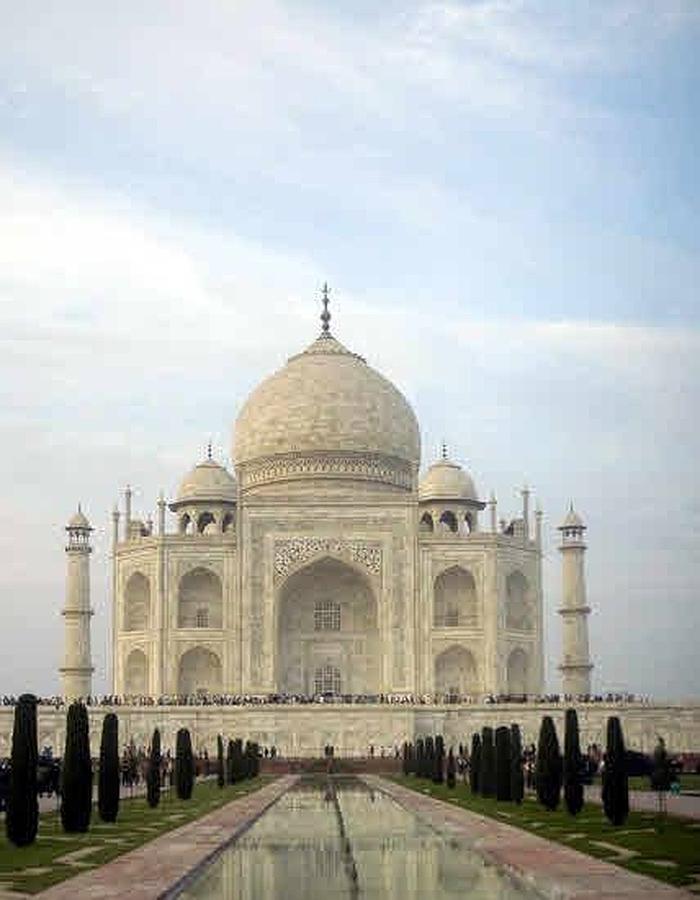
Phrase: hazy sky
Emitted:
{"points": [[504, 196]]}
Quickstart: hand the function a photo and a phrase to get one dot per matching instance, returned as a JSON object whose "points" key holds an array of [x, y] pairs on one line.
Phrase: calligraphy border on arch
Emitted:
{"points": [[292, 552]]}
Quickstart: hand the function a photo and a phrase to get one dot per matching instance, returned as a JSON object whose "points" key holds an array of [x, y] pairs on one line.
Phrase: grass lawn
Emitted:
{"points": [[56, 855], [688, 782], [671, 854]]}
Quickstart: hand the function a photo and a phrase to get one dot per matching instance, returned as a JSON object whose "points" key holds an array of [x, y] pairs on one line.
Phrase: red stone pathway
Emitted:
{"points": [[147, 872], [554, 870]]}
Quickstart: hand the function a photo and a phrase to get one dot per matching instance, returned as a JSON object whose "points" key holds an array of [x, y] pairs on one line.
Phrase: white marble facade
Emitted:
{"points": [[326, 562]]}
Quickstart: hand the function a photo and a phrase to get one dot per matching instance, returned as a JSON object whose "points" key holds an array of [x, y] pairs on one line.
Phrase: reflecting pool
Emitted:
{"points": [[338, 838]]}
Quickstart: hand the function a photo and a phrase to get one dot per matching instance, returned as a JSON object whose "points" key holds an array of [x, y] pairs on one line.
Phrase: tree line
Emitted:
{"points": [[76, 789], [495, 766]]}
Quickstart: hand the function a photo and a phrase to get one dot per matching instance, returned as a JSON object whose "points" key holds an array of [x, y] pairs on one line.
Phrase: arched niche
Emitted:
{"points": [[228, 523], [518, 604], [200, 600], [426, 524], [456, 672], [206, 523], [199, 672], [517, 677], [455, 601], [136, 673], [327, 617], [448, 521], [186, 525], [137, 602]]}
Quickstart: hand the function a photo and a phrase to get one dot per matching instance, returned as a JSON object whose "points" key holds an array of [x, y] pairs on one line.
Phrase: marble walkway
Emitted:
{"points": [[149, 871], [552, 869]]}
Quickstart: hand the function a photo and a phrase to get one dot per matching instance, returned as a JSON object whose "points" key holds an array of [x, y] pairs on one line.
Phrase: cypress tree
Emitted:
{"points": [[108, 776], [429, 760], [22, 815], [475, 764], [229, 763], [76, 798], [220, 767], [438, 773], [487, 774], [451, 770], [184, 765], [503, 764], [548, 773], [153, 775], [420, 751], [405, 762], [237, 767], [616, 801], [517, 780], [573, 769]]}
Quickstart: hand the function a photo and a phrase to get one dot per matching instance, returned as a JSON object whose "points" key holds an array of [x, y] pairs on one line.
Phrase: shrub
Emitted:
{"points": [[229, 763], [615, 788], [237, 767], [76, 798], [487, 773], [438, 773], [517, 780], [548, 772], [420, 757], [573, 765], [220, 767], [405, 759], [153, 775], [22, 816], [475, 765], [184, 765], [451, 770], [503, 764], [108, 776]]}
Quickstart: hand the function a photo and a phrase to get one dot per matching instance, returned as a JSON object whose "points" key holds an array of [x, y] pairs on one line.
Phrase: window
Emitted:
{"points": [[202, 618], [326, 616], [327, 680]]}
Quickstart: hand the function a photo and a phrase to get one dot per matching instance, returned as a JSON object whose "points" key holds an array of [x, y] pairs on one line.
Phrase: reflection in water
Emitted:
{"points": [[297, 850]]}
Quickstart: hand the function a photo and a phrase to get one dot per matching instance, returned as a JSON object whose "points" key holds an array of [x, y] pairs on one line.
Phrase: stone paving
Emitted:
{"points": [[552, 869], [149, 871]]}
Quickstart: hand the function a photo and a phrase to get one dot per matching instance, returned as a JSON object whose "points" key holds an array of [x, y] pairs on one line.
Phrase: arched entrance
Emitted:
{"points": [[455, 672], [199, 672], [327, 631]]}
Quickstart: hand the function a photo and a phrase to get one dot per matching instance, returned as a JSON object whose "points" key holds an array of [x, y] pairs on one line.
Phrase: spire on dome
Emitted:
{"points": [[444, 450], [325, 315], [209, 456]]}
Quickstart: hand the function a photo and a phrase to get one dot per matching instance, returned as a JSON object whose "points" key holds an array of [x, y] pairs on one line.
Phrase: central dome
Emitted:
{"points": [[327, 414]]}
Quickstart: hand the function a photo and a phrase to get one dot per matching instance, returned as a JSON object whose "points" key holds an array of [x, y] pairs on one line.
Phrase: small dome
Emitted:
{"points": [[78, 520], [446, 480], [327, 400], [572, 520], [208, 481]]}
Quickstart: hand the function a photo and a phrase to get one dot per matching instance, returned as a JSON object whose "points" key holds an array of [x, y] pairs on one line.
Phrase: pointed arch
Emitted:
{"points": [[456, 672], [518, 672], [426, 523], [448, 520], [199, 672], [200, 599], [136, 673], [206, 523], [455, 599], [326, 616], [519, 614], [137, 603]]}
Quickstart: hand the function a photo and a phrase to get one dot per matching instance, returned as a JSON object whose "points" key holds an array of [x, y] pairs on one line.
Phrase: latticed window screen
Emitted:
{"points": [[327, 616], [202, 618], [327, 680]]}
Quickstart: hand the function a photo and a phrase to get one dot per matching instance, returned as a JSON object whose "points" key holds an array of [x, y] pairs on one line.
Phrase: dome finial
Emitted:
{"points": [[325, 315], [209, 456], [444, 450]]}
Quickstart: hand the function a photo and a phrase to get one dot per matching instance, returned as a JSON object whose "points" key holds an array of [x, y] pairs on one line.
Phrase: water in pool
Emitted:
{"points": [[338, 838]]}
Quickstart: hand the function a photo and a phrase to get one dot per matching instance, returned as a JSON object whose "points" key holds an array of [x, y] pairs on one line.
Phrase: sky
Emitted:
{"points": [[505, 199]]}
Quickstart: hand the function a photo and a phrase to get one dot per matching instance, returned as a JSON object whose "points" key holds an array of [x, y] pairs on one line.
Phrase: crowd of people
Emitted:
{"points": [[206, 699]]}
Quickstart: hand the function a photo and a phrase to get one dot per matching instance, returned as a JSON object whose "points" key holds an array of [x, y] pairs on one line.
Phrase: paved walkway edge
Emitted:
{"points": [[553, 870], [167, 864]]}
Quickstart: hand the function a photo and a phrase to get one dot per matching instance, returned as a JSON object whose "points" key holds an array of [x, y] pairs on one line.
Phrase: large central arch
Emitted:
{"points": [[327, 631]]}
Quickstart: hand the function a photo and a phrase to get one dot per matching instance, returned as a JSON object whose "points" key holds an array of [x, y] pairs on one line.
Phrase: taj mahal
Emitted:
{"points": [[330, 591], [328, 564]]}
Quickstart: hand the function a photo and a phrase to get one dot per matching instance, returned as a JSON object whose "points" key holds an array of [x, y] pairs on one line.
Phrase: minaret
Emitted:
{"points": [[76, 671], [576, 665]]}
